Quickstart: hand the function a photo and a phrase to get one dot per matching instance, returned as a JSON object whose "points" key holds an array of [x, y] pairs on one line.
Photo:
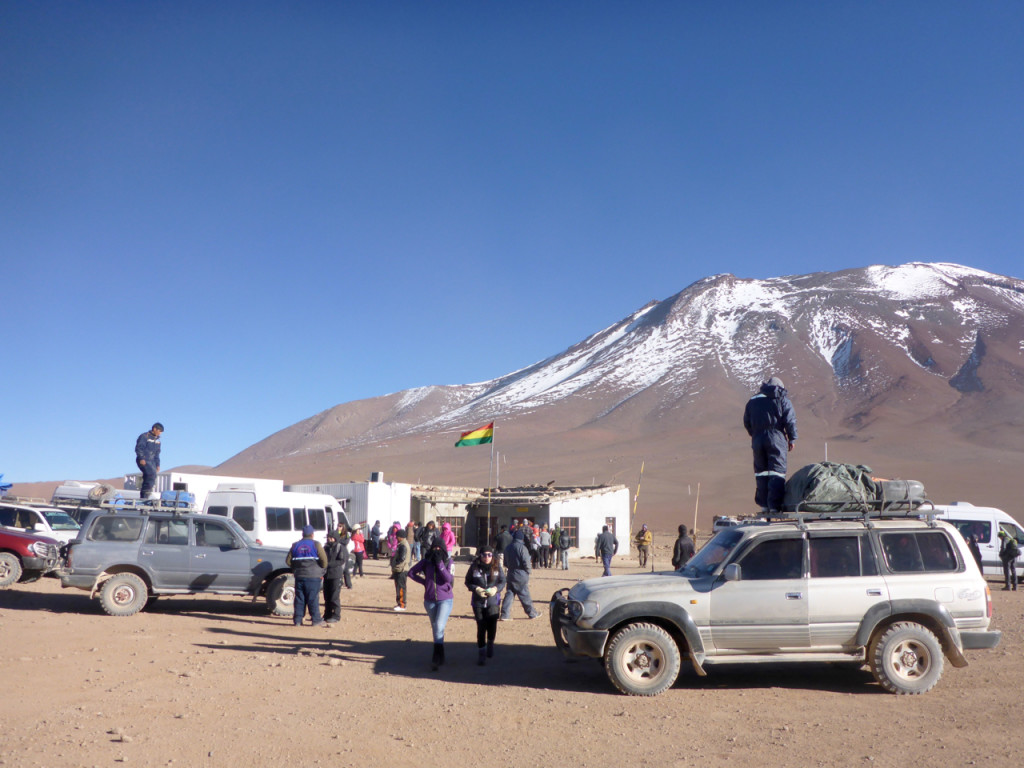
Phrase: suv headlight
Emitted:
{"points": [[585, 610], [40, 548], [574, 609]]}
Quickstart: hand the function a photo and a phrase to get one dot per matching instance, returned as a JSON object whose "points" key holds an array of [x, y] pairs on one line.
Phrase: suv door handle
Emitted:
{"points": [[200, 555], [875, 592], [794, 595]]}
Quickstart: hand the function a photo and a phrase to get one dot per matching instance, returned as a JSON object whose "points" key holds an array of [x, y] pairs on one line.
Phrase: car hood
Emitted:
{"points": [[644, 583]]}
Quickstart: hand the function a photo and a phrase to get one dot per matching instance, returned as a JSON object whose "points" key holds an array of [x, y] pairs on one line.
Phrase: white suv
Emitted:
{"points": [[897, 594], [38, 518]]}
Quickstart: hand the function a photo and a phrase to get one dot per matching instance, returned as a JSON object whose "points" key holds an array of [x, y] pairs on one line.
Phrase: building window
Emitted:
{"points": [[456, 523], [572, 525]]}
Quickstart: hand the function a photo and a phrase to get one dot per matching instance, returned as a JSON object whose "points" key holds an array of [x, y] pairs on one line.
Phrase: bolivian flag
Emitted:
{"points": [[480, 436]]}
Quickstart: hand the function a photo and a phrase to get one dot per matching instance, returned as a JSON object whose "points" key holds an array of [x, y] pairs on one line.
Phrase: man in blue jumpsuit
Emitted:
{"points": [[771, 423], [147, 458]]}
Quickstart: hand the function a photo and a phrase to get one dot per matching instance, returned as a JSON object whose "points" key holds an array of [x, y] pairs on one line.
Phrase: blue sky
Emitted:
{"points": [[230, 216]]}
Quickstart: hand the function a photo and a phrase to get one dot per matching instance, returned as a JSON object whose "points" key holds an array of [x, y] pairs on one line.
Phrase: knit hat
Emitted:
{"points": [[307, 530]]}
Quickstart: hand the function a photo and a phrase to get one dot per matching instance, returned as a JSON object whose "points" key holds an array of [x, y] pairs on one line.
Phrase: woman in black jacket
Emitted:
{"points": [[485, 579]]}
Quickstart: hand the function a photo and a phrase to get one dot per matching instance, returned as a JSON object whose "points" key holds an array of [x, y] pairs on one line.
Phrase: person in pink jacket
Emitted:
{"points": [[448, 537], [360, 547]]}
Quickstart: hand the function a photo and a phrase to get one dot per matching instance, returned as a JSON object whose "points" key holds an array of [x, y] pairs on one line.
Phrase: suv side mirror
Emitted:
{"points": [[235, 543], [39, 527], [732, 572]]}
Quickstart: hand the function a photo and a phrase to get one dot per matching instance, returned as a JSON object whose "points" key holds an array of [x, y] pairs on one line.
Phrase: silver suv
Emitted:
{"points": [[129, 557], [900, 595]]}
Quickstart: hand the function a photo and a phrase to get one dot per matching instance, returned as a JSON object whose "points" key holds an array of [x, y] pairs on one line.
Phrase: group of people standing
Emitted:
{"points": [[329, 567]]}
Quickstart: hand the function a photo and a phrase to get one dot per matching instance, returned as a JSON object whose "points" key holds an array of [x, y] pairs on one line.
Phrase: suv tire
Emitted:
{"points": [[642, 660], [281, 595], [10, 569], [123, 594], [906, 658]]}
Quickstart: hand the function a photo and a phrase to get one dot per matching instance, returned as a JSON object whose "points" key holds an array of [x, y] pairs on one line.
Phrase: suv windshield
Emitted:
{"points": [[713, 553], [61, 521]]}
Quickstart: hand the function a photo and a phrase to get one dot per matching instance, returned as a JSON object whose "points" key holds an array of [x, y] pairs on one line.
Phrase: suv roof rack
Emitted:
{"points": [[856, 510], [146, 506], [25, 501]]}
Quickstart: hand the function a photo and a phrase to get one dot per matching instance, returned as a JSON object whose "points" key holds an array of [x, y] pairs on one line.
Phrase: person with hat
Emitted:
{"points": [[308, 561], [1009, 549], [771, 423], [485, 579], [643, 540]]}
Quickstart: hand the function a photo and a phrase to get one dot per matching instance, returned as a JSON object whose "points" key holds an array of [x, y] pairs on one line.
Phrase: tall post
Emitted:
{"points": [[487, 530], [696, 506]]}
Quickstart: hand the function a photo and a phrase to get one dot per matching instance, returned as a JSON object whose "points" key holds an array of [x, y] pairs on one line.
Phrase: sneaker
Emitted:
{"points": [[319, 624], [535, 615], [504, 619], [398, 608]]}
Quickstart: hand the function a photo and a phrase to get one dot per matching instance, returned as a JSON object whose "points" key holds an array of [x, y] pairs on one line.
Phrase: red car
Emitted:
{"points": [[26, 556]]}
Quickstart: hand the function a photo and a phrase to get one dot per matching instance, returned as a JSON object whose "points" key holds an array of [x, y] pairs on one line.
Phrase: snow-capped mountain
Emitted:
{"points": [[865, 353]]}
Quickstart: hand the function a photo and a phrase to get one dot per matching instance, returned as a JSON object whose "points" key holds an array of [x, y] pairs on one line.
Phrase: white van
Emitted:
{"points": [[275, 518], [985, 523]]}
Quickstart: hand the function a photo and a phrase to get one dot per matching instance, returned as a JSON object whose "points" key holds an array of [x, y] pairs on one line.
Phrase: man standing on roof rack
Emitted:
{"points": [[147, 458], [771, 423]]}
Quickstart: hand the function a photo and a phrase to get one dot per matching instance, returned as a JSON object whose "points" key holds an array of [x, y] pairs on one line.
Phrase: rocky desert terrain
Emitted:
{"points": [[197, 681]]}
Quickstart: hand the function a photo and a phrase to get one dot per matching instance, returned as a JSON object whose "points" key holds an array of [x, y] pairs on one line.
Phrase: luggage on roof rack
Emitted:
{"points": [[831, 487], [861, 510]]}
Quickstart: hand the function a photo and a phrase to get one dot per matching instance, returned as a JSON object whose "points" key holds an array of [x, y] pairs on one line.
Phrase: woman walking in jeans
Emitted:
{"points": [[434, 573]]}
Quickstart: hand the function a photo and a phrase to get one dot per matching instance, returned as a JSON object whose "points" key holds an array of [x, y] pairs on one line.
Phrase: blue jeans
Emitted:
{"points": [[607, 560], [438, 612], [307, 593]]}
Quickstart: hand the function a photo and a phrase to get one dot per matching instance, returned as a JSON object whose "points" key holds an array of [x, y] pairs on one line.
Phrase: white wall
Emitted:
{"points": [[592, 511], [200, 485]]}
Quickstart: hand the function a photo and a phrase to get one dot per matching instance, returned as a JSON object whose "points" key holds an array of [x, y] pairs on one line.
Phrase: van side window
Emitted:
{"points": [[298, 518], [317, 519], [245, 517], [980, 528], [222, 511], [278, 519]]}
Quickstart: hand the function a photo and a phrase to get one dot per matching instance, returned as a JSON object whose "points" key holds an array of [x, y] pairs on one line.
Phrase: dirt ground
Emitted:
{"points": [[217, 681]]}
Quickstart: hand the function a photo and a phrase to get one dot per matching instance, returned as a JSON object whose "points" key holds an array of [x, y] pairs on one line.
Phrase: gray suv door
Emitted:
{"points": [[219, 559], [165, 553]]}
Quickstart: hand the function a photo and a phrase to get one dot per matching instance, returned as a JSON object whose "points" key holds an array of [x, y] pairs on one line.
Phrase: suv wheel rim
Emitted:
{"points": [[643, 661], [123, 595], [910, 660]]}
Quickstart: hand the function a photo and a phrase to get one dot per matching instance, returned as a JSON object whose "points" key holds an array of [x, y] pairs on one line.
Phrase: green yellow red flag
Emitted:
{"points": [[480, 436]]}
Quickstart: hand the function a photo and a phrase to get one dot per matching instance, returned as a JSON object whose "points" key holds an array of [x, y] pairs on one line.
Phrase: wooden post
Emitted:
{"points": [[696, 506]]}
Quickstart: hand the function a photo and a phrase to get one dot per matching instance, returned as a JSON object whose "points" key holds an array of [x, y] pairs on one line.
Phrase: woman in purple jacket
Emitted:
{"points": [[435, 574]]}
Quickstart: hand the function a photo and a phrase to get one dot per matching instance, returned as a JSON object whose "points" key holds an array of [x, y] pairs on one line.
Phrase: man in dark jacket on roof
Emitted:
{"points": [[147, 458], [771, 423]]}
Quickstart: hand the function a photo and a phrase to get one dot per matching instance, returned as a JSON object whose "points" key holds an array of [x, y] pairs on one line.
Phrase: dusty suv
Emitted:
{"points": [[900, 595], [129, 557]]}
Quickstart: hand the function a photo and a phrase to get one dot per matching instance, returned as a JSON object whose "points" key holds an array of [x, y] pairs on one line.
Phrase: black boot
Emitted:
{"points": [[441, 648], [481, 657], [490, 650], [438, 658]]}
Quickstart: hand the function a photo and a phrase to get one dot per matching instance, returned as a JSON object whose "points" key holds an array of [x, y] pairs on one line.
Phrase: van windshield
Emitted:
{"points": [[713, 553]]}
